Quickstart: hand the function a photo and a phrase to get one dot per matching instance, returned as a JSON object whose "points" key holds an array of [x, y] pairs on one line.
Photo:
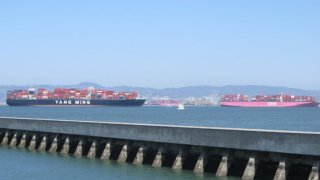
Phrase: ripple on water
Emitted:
{"points": [[24, 164]]}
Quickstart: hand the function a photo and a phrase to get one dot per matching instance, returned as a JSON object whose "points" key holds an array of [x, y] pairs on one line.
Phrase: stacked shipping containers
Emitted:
{"points": [[234, 98], [77, 94], [267, 98]]}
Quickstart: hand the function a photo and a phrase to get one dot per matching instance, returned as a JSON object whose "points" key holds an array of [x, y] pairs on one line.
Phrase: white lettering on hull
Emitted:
{"points": [[69, 102], [272, 103]]}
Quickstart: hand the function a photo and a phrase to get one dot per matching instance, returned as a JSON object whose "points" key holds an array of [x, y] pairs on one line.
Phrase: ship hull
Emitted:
{"points": [[269, 104], [115, 103]]}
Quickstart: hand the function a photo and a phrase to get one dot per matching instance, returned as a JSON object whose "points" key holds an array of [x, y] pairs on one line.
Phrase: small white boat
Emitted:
{"points": [[180, 107]]}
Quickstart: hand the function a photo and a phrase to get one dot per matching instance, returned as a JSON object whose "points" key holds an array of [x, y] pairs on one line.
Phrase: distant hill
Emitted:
{"points": [[183, 92]]}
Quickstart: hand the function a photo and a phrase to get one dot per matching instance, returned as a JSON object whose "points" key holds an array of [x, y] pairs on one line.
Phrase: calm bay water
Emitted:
{"points": [[24, 164]]}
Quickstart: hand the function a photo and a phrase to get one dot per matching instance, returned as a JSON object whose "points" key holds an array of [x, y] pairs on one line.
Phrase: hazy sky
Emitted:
{"points": [[161, 43]]}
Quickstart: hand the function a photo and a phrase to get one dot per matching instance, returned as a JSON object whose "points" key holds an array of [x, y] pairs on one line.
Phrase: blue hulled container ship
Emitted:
{"points": [[72, 97]]}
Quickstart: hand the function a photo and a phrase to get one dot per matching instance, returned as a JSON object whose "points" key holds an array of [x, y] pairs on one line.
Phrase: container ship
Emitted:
{"points": [[268, 101], [72, 97]]}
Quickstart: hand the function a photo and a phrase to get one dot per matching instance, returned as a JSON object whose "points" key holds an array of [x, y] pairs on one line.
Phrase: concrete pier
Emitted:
{"points": [[92, 151], [54, 145], [157, 162], [123, 154], [244, 153], [139, 157], [106, 152], [65, 147], [223, 167], [314, 174], [5, 139], [250, 170], [22, 143], [281, 172], [178, 162], [32, 144], [199, 168], [78, 152], [43, 144], [13, 142]]}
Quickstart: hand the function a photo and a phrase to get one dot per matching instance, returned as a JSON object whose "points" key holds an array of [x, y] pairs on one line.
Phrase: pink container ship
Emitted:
{"points": [[268, 101]]}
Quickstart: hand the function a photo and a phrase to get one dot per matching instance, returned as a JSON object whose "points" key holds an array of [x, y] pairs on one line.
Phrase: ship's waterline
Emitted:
{"points": [[52, 102]]}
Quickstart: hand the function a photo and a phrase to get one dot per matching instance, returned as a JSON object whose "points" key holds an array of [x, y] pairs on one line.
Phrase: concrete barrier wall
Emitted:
{"points": [[304, 143]]}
